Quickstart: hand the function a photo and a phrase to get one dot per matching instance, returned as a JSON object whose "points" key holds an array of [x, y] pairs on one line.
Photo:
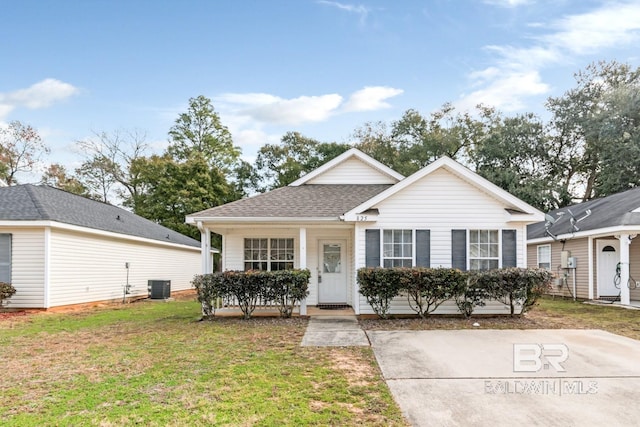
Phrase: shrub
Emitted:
{"points": [[249, 288], [211, 291], [474, 294], [379, 286], [428, 288], [514, 286], [6, 292], [288, 287]]}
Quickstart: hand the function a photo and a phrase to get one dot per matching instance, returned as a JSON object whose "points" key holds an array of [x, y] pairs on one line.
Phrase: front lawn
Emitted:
{"points": [[154, 364]]}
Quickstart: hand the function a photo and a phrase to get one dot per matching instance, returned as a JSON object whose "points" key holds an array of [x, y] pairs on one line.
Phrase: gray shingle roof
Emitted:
{"points": [[610, 211], [36, 203], [304, 201]]}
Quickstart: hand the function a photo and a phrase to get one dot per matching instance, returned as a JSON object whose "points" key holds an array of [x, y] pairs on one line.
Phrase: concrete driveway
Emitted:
{"points": [[512, 377]]}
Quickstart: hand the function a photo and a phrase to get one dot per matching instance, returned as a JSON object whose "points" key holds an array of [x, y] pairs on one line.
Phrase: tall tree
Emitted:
{"points": [[585, 122], [109, 157], [21, 148], [200, 131], [280, 164], [515, 155], [56, 175], [174, 189], [415, 140]]}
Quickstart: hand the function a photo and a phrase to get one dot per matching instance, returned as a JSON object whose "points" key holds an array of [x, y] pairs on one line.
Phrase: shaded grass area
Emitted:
{"points": [[551, 313], [154, 364]]}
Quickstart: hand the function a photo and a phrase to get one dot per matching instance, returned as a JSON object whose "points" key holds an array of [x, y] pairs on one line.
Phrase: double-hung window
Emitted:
{"points": [[397, 248], [544, 257], [268, 254], [484, 249]]}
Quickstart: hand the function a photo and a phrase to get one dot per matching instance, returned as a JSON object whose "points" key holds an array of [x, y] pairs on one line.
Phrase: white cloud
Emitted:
{"points": [[515, 74], [505, 91], [294, 111], [371, 98], [507, 3], [610, 26], [39, 95], [360, 10], [254, 138]]}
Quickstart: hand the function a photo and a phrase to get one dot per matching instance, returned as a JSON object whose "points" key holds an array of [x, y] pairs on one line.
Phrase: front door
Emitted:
{"points": [[608, 259], [332, 277]]}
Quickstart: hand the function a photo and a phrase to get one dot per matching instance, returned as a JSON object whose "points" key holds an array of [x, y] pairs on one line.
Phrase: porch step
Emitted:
{"points": [[334, 331]]}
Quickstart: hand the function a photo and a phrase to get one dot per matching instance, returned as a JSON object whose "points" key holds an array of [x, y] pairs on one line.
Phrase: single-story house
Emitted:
{"points": [[58, 249], [354, 212], [591, 247]]}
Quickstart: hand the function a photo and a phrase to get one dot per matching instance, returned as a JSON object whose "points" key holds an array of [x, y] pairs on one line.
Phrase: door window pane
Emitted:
{"points": [[331, 262]]}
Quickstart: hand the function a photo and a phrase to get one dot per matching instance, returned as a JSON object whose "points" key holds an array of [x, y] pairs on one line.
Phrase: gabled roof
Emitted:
{"points": [[617, 210], [511, 202], [322, 201], [353, 152], [42, 203]]}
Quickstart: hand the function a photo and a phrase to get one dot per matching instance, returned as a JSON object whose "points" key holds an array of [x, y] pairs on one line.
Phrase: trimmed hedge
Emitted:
{"points": [[427, 288], [282, 288], [6, 291]]}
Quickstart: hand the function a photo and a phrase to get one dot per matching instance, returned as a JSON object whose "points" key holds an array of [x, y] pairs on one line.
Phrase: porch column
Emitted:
{"points": [[592, 260], [625, 241], [205, 249], [303, 264]]}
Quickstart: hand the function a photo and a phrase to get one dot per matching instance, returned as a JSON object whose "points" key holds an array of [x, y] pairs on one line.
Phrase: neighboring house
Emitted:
{"points": [[354, 212], [57, 249], [597, 243]]}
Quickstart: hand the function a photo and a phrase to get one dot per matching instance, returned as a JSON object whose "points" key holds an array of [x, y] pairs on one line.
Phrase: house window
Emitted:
{"points": [[397, 248], [5, 258], [281, 254], [268, 254], [544, 257], [484, 249]]}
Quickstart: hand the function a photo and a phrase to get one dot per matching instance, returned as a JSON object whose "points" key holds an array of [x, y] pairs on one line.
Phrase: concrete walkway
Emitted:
{"points": [[334, 331]]}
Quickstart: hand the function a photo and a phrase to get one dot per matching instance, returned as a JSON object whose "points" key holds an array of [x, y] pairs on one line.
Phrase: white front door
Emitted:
{"points": [[332, 274], [608, 259]]}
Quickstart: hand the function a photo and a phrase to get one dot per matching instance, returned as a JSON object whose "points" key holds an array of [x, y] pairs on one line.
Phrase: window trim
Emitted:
{"points": [[413, 246], [499, 243], [269, 259], [538, 256]]}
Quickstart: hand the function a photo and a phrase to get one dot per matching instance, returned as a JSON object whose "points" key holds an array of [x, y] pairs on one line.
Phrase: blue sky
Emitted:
{"points": [[319, 67]]}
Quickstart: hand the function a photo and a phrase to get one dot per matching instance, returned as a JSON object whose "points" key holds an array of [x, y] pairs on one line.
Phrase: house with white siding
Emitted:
{"points": [[592, 248], [354, 212], [59, 249]]}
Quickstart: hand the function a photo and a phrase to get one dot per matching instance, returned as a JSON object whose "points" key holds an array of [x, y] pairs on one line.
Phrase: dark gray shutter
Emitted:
{"points": [[459, 249], [372, 248], [509, 249], [5, 258], [423, 248]]}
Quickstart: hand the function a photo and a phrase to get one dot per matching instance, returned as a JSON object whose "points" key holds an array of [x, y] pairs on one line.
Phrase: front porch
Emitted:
{"points": [[326, 250]]}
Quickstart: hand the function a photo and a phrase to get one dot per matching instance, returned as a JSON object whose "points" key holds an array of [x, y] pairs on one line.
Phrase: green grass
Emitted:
{"points": [[568, 314], [154, 364]]}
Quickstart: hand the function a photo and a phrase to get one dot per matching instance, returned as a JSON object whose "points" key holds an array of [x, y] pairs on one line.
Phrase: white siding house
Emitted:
{"points": [[354, 212], [59, 249]]}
